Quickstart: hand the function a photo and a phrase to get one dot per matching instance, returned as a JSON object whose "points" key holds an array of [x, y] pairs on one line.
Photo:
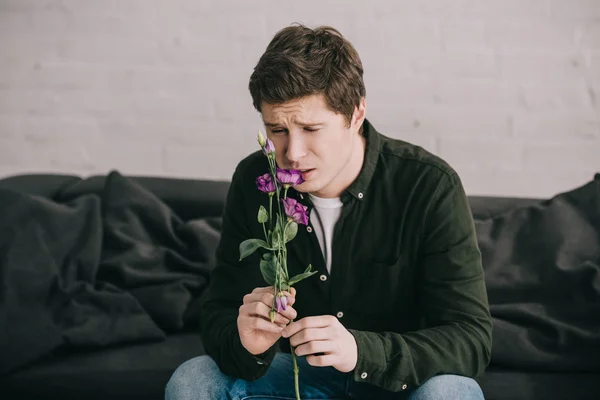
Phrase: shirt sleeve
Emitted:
{"points": [[229, 282], [457, 327]]}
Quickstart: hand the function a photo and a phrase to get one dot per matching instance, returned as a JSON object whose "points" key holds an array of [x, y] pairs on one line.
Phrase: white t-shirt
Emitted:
{"points": [[323, 217]]}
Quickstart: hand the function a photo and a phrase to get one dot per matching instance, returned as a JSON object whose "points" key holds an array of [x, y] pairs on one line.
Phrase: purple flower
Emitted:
{"points": [[265, 183], [296, 211], [280, 302], [269, 148], [290, 177]]}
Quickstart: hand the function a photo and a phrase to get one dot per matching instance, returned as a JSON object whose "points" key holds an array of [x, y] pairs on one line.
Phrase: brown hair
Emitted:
{"points": [[300, 61]]}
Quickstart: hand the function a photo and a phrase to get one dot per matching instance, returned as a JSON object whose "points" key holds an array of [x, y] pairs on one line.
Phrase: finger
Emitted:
{"points": [[326, 360], [264, 289], [289, 312], [260, 324], [320, 321], [314, 347], [259, 297], [262, 310], [310, 334]]}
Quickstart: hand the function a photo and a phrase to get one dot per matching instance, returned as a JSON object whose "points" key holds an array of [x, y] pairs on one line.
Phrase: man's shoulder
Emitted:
{"points": [[405, 153]]}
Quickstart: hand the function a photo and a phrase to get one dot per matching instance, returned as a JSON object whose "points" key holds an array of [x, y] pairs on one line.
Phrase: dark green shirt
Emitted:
{"points": [[406, 276]]}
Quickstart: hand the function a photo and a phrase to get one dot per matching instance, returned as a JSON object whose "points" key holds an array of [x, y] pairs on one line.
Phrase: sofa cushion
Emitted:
{"points": [[137, 371], [542, 266], [510, 384]]}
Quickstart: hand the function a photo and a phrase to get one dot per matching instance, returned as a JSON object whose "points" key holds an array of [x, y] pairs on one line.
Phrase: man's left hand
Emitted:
{"points": [[323, 334]]}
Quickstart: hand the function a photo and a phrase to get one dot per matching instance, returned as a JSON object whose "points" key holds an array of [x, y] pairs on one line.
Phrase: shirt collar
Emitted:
{"points": [[358, 188]]}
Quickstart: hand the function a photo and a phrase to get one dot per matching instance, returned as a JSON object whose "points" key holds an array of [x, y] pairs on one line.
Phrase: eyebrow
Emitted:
{"points": [[271, 124]]}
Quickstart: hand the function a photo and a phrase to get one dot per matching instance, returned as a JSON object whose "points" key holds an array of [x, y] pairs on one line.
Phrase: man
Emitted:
{"points": [[398, 308]]}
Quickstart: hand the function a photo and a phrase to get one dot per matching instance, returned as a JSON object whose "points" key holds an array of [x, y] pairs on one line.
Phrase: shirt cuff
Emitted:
{"points": [[371, 364]]}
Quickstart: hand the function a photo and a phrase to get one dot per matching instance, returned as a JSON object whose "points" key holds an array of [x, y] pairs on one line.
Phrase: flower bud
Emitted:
{"points": [[272, 315], [261, 139]]}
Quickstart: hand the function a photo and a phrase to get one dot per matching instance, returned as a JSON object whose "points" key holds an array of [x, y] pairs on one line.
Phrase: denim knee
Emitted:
{"points": [[198, 378], [448, 387]]}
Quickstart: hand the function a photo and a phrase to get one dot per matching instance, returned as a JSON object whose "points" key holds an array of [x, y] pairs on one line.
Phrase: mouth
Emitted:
{"points": [[307, 173]]}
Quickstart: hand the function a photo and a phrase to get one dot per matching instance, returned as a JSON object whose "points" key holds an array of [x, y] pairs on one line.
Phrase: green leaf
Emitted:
{"points": [[291, 231], [307, 273], [267, 268], [249, 246], [277, 234], [263, 215]]}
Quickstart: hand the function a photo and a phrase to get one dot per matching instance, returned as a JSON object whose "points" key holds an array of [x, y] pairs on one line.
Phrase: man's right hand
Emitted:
{"points": [[256, 330]]}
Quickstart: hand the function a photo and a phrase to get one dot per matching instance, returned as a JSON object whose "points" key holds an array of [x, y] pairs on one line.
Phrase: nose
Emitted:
{"points": [[296, 149]]}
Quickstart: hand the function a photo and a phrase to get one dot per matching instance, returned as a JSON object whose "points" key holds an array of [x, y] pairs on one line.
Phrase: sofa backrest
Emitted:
{"points": [[193, 198]]}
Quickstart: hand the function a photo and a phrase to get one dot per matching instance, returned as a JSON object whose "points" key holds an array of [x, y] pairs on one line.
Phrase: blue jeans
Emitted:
{"points": [[200, 378]]}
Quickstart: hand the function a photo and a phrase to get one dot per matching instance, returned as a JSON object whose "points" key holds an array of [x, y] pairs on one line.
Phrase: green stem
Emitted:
{"points": [[296, 372], [266, 236], [287, 275], [271, 210]]}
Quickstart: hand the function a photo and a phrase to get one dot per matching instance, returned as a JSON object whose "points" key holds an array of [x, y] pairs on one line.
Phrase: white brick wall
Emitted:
{"points": [[507, 91]]}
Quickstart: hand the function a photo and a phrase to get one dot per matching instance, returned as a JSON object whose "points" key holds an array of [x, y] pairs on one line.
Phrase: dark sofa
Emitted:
{"points": [[140, 369]]}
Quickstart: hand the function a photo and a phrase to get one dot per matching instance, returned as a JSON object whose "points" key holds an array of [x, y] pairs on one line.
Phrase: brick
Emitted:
{"points": [[440, 121], [590, 37], [408, 36], [130, 157], [59, 129], [13, 152], [567, 155], [595, 66], [464, 36], [542, 68], [462, 65], [481, 93], [403, 130], [62, 155], [530, 184], [501, 9], [495, 154], [577, 125], [527, 37], [460, 9], [27, 51], [580, 10], [546, 97], [9, 126], [204, 161]]}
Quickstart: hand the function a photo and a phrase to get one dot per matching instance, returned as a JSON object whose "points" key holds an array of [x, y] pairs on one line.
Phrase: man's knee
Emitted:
{"points": [[198, 378], [448, 387]]}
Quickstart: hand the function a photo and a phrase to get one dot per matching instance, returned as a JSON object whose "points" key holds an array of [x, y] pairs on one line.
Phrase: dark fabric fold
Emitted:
{"points": [[542, 266], [97, 270]]}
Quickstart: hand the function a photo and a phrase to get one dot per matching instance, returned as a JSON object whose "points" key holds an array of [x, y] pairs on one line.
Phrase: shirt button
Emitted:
{"points": [[404, 387], [360, 195], [301, 196], [363, 375], [308, 229], [259, 362], [340, 314], [323, 277]]}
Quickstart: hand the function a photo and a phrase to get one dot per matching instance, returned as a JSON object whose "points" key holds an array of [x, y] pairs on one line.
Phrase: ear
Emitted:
{"points": [[360, 112]]}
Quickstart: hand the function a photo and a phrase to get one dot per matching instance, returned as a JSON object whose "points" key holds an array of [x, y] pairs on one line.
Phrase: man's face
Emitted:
{"points": [[309, 136]]}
